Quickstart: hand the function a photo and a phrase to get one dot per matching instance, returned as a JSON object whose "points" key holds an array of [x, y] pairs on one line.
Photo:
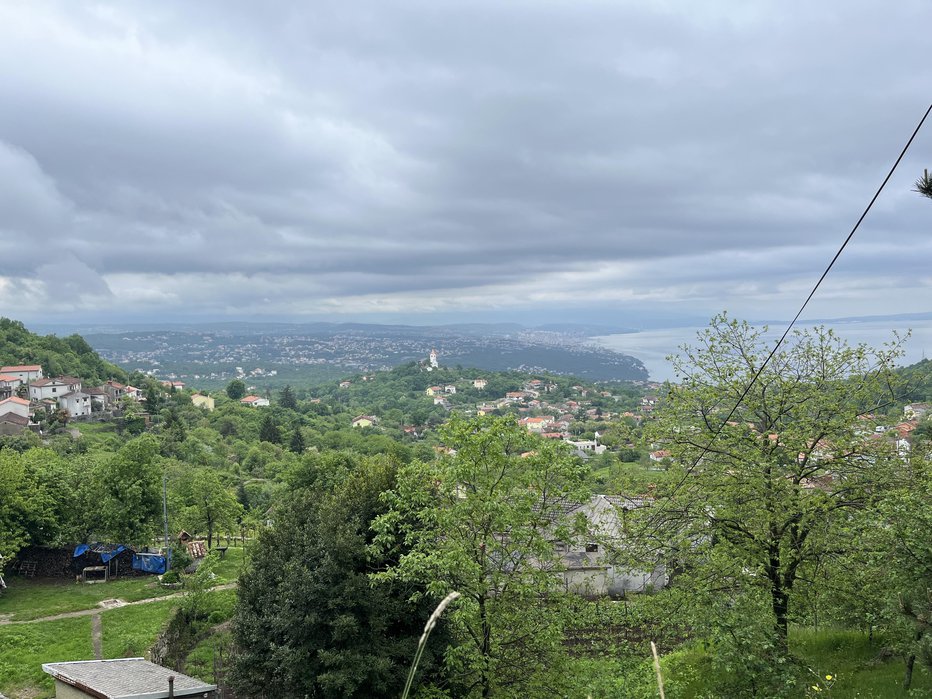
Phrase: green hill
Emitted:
{"points": [[69, 356]]}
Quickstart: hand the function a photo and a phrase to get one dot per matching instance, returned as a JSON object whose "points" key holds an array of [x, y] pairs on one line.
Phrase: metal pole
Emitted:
{"points": [[168, 555]]}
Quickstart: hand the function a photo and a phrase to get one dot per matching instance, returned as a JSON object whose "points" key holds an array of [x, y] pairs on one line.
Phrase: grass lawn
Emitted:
{"points": [[848, 656], [99, 434], [24, 647], [31, 599], [228, 570], [129, 632]]}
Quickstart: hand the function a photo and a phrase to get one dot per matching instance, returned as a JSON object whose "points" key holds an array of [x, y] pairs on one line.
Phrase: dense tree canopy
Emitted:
{"points": [[352, 639], [483, 521], [70, 356], [771, 493]]}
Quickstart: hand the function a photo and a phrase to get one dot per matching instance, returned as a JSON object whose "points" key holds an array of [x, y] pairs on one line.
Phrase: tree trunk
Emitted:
{"points": [[486, 650], [780, 602], [908, 675]]}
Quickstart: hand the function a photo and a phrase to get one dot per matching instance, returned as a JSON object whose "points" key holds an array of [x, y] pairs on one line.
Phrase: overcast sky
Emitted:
{"points": [[433, 160]]}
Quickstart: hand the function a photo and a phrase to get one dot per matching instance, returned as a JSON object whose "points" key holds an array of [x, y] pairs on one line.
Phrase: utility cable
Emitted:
{"points": [[789, 327]]}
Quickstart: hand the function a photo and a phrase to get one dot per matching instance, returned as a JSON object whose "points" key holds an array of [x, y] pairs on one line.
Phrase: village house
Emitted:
{"points": [[24, 372], [173, 385], [45, 389], [11, 424], [99, 398], [254, 401], [365, 421], [449, 388], [433, 390], [16, 405], [76, 403], [586, 447], [8, 385], [114, 390], [202, 401], [537, 424], [345, 384], [479, 383], [590, 565]]}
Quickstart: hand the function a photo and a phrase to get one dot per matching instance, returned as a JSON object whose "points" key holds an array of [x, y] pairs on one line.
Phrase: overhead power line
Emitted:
{"points": [[815, 288]]}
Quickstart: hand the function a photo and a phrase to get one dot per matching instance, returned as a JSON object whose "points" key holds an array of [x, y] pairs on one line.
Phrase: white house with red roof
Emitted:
{"points": [[8, 384], [254, 401], [46, 389], [16, 405], [24, 372]]}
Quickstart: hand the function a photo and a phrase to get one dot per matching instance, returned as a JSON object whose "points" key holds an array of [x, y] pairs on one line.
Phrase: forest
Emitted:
{"points": [[788, 519]]}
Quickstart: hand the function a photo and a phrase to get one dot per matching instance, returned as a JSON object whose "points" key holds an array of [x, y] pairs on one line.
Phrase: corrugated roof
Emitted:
{"points": [[126, 678]]}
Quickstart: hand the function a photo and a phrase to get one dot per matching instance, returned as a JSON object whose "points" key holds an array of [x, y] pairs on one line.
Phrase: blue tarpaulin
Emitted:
{"points": [[149, 562], [105, 551]]}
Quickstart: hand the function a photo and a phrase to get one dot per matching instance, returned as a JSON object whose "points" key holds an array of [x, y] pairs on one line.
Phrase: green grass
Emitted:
{"points": [[24, 647], [26, 599], [858, 667], [130, 631], [854, 661], [31, 599], [228, 570], [98, 434]]}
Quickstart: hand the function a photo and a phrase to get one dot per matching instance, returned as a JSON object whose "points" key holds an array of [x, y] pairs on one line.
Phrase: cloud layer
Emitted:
{"points": [[414, 158]]}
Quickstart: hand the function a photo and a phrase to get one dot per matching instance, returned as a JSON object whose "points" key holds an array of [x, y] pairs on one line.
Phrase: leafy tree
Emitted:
{"points": [[236, 389], [353, 640], [899, 553], [26, 507], [483, 522], [287, 398], [201, 502], [130, 491], [770, 496]]}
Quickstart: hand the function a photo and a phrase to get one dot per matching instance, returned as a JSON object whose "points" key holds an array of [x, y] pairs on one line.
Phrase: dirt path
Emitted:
{"points": [[107, 604], [97, 637]]}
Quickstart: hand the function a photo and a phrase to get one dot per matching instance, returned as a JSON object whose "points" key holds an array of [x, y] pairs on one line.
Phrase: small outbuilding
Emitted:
{"points": [[123, 678]]}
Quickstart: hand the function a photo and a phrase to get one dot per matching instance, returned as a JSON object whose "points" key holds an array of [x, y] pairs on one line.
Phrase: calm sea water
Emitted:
{"points": [[653, 346]]}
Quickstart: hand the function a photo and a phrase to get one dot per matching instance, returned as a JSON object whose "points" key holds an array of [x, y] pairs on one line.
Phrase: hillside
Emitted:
{"points": [[69, 356]]}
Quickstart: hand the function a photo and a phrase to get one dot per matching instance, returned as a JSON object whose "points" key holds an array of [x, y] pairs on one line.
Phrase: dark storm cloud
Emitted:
{"points": [[418, 156]]}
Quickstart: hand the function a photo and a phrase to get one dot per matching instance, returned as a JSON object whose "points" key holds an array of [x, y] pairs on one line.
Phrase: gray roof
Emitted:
{"points": [[125, 678]]}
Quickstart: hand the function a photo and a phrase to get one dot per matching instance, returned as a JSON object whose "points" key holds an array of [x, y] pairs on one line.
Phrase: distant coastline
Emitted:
{"points": [[652, 347]]}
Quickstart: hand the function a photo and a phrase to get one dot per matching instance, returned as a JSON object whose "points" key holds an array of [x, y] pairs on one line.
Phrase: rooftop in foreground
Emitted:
{"points": [[126, 678]]}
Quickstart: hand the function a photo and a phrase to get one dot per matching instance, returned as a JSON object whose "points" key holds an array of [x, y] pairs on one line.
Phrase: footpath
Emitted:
{"points": [[104, 605]]}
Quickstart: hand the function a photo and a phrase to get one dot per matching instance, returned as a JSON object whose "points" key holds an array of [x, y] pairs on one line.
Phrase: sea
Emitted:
{"points": [[653, 347]]}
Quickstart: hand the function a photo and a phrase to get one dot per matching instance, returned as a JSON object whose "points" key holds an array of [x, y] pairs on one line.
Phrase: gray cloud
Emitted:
{"points": [[308, 159]]}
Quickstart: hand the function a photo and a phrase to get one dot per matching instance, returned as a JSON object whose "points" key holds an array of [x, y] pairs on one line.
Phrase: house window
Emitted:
{"points": [[592, 548]]}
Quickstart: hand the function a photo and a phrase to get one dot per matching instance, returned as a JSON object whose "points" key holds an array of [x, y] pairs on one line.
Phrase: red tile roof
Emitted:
{"points": [[16, 399], [22, 367]]}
